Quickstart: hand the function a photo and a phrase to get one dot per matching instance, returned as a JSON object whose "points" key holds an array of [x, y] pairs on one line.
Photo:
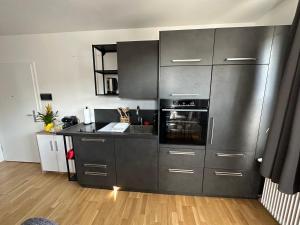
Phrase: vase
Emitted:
{"points": [[48, 127]]}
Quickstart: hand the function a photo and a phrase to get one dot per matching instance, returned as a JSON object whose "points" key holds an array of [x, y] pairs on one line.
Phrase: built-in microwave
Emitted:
{"points": [[183, 122]]}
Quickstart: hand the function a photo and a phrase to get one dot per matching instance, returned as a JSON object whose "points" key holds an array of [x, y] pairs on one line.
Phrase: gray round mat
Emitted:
{"points": [[38, 221]]}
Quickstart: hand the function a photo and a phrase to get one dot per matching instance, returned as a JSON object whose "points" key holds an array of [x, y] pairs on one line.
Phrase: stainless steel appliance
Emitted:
{"points": [[183, 121], [111, 85]]}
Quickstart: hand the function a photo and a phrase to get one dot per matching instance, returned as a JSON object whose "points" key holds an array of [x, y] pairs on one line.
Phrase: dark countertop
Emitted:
{"points": [[82, 129]]}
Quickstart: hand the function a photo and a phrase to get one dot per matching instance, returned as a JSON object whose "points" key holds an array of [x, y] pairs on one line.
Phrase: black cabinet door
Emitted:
{"points": [[185, 82], [186, 47], [246, 45], [95, 160], [137, 163], [237, 93], [138, 69]]}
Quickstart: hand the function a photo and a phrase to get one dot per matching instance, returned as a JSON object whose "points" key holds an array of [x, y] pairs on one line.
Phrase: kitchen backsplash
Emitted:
{"points": [[112, 115]]}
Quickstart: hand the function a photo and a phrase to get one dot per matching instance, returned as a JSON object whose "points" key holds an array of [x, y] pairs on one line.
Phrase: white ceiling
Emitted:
{"points": [[47, 16]]}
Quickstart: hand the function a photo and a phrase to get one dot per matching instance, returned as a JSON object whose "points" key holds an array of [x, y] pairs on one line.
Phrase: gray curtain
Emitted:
{"points": [[281, 160]]}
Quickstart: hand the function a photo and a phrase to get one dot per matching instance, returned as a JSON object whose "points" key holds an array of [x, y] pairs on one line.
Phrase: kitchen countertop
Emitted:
{"points": [[91, 129]]}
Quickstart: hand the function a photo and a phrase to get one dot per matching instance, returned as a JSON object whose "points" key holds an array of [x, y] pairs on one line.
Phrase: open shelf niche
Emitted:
{"points": [[105, 69]]}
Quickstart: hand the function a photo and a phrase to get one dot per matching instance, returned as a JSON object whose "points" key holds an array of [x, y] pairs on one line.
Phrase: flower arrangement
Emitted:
{"points": [[48, 118]]}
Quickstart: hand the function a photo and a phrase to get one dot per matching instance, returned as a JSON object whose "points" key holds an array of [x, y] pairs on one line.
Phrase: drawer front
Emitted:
{"points": [[186, 47], [185, 82], [181, 181], [96, 179], [184, 158], [231, 183], [247, 45], [229, 160], [95, 174], [94, 149]]}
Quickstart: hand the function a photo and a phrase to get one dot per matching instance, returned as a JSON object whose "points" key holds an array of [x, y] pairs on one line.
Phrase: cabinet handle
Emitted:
{"points": [[56, 145], [95, 174], [185, 110], [181, 153], [230, 155], [95, 165], [185, 60], [180, 171], [212, 127], [183, 94], [230, 174], [240, 59], [93, 140], [51, 145]]}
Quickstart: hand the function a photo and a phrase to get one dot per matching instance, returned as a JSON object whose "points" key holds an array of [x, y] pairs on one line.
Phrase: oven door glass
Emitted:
{"points": [[183, 127]]}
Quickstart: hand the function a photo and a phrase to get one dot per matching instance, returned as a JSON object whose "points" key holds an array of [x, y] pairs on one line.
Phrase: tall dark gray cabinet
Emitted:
{"points": [[243, 82]]}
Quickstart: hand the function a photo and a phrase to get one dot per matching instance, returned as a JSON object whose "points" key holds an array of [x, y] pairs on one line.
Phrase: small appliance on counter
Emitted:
{"points": [[87, 116], [69, 121], [111, 85]]}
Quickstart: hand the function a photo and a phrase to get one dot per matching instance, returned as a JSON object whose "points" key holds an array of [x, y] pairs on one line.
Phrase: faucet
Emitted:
{"points": [[139, 118]]}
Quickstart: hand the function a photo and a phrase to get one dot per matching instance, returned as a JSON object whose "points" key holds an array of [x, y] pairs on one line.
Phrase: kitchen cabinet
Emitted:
{"points": [[186, 47], [95, 160], [229, 160], [185, 82], [180, 181], [138, 69], [52, 152], [181, 169], [244, 45], [231, 183], [136, 163], [236, 100]]}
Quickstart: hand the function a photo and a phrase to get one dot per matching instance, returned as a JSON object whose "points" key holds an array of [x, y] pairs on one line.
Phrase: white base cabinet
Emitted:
{"points": [[52, 153]]}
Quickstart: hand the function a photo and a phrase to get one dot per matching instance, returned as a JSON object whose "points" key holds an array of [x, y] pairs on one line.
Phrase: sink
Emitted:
{"points": [[143, 129]]}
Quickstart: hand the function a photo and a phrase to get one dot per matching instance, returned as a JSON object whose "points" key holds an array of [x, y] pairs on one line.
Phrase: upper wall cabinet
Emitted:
{"points": [[186, 47], [248, 45], [138, 69]]}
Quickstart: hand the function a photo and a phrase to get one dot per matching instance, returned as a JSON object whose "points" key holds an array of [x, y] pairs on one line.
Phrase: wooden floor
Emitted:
{"points": [[26, 192]]}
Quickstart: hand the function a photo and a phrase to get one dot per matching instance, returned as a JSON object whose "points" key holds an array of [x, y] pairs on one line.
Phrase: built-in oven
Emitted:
{"points": [[183, 122]]}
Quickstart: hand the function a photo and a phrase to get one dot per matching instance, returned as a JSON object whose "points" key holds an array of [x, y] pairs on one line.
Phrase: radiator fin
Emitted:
{"points": [[283, 207]]}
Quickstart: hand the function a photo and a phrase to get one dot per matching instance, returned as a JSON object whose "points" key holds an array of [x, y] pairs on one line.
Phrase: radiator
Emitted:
{"points": [[283, 207]]}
